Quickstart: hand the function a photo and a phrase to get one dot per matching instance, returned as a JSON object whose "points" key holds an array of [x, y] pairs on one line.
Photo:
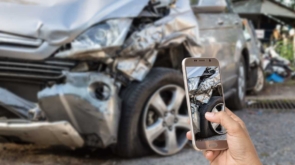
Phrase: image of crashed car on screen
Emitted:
{"points": [[205, 95]]}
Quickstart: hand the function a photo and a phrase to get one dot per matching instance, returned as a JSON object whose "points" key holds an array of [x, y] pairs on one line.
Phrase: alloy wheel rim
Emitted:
{"points": [[241, 82], [215, 126], [165, 122]]}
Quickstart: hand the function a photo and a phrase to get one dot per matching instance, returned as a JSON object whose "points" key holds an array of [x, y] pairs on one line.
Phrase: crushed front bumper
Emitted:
{"points": [[44, 133], [89, 102], [81, 111]]}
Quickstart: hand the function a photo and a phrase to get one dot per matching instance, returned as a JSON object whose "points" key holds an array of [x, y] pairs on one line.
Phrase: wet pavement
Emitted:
{"points": [[273, 134]]}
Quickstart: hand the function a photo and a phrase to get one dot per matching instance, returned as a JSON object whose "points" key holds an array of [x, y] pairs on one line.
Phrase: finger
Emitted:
{"points": [[226, 121], [189, 135], [211, 155]]}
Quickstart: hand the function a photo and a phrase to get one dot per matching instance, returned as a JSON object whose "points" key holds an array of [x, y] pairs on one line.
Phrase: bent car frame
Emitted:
{"points": [[107, 73]]}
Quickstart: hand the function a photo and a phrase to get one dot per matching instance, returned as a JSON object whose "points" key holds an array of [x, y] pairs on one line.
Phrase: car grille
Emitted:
{"points": [[47, 70]]}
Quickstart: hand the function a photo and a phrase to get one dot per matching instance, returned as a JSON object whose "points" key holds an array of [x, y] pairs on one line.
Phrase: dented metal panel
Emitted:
{"points": [[61, 21], [179, 27], [203, 91], [170, 30], [210, 83], [76, 101]]}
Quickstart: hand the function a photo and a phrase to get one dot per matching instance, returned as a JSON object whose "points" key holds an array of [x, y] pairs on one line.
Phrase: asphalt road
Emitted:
{"points": [[273, 134]]}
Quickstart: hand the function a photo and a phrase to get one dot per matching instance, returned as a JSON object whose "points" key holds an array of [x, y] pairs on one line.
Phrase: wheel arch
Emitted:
{"points": [[171, 57], [131, 144]]}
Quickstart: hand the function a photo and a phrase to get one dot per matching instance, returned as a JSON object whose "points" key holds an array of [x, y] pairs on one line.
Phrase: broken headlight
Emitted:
{"points": [[107, 34], [110, 33]]}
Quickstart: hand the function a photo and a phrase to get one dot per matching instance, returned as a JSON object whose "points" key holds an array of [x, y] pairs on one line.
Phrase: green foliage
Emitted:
{"points": [[285, 50]]}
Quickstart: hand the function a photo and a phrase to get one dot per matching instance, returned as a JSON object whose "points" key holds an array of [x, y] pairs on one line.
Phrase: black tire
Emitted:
{"points": [[131, 140], [235, 102], [205, 127]]}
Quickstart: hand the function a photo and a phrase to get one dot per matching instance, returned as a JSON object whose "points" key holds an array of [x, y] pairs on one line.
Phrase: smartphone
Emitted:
{"points": [[204, 93]]}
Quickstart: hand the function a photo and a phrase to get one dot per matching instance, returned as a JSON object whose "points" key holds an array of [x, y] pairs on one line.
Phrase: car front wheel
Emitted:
{"points": [[154, 115]]}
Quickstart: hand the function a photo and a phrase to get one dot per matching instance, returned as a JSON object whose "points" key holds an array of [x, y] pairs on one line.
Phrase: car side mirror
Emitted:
{"points": [[210, 6]]}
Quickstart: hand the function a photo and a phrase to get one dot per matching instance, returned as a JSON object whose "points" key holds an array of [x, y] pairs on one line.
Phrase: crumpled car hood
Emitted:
{"points": [[60, 21]]}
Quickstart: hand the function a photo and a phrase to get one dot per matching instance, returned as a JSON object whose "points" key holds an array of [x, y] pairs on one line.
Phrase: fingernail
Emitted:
{"points": [[209, 114]]}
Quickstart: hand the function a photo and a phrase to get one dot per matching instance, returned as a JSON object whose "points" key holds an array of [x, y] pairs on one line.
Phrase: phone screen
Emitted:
{"points": [[205, 95]]}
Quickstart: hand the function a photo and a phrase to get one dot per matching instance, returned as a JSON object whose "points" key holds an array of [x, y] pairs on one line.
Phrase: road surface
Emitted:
{"points": [[273, 134]]}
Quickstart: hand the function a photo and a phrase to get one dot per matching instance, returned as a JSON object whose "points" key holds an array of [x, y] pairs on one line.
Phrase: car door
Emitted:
{"points": [[217, 38], [233, 35]]}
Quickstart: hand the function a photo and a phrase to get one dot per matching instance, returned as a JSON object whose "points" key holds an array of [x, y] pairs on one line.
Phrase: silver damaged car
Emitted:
{"points": [[96, 73]]}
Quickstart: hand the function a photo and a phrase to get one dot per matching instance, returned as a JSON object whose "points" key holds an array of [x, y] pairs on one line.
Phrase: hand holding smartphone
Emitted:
{"points": [[204, 93]]}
